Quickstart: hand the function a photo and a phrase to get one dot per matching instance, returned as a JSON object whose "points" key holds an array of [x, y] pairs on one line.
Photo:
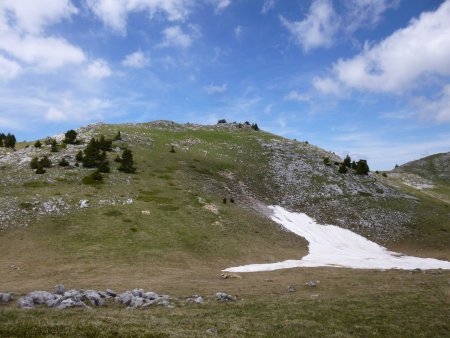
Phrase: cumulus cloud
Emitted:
{"points": [[326, 85], [237, 31], [267, 6], [114, 13], [437, 109], [398, 62], [317, 29], [215, 89], [175, 37], [365, 12], [8, 69], [32, 16], [54, 115], [296, 96], [136, 60], [22, 25], [98, 69]]}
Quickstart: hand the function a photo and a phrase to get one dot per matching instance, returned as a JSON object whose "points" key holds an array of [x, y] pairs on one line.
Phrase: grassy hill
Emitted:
{"points": [[167, 228]]}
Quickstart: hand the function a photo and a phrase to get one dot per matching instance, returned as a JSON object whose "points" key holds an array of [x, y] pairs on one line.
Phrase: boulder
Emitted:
{"points": [[110, 293], [78, 294], [25, 303], [312, 283], [5, 297], [195, 299], [59, 289], [94, 298], [224, 297], [69, 303], [137, 292], [124, 298]]}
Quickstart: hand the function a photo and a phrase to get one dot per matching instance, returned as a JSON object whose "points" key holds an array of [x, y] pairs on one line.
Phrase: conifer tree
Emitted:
{"points": [[118, 137], [37, 144], [34, 164], [91, 158], [45, 162], [54, 146], [104, 167], [362, 168], [70, 137], [343, 168], [63, 162], [79, 156], [40, 170], [9, 141], [348, 161], [104, 144], [255, 126], [127, 163], [1, 142]]}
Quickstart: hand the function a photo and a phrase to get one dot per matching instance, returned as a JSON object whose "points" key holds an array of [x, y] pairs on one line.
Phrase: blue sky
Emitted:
{"points": [[365, 77]]}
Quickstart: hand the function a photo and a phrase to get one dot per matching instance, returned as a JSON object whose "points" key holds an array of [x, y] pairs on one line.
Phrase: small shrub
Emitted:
{"points": [[104, 167], [221, 121], [63, 162], [45, 162], [94, 178], [362, 168], [37, 144], [70, 137], [54, 146], [40, 170], [173, 149], [79, 156], [118, 159], [384, 175], [118, 137], [34, 164], [343, 168], [326, 161], [255, 126], [127, 164]]}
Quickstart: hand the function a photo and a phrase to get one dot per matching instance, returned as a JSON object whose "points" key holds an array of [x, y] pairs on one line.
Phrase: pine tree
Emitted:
{"points": [[10, 141], [255, 126], [37, 144], [45, 162], [127, 164], [1, 142], [34, 164], [79, 156], [104, 144], [118, 137], [63, 162], [343, 168], [362, 168], [40, 170], [70, 137], [91, 158], [348, 161], [117, 159], [104, 167], [54, 146]]}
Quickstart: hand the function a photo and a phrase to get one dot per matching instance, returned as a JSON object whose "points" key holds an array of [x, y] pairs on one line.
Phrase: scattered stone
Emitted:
{"points": [[59, 289], [14, 267], [69, 303], [5, 297], [111, 293], [195, 299], [230, 275], [94, 297], [312, 283], [145, 212], [290, 288], [224, 297], [212, 330], [84, 204]]}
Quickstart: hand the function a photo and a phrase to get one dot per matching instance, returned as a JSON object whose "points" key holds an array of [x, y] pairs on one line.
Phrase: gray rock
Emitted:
{"points": [[212, 330], [151, 295], [25, 303], [110, 293], [195, 299], [224, 297], [73, 294], [59, 289], [136, 302], [40, 297], [69, 303], [312, 283], [290, 288], [94, 298], [137, 292], [124, 298], [5, 297], [55, 301]]}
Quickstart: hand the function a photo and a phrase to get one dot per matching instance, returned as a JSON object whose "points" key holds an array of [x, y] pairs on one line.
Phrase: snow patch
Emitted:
{"points": [[330, 245]]}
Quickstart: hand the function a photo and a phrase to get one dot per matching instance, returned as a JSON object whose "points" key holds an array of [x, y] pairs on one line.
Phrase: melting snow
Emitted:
{"points": [[330, 245]]}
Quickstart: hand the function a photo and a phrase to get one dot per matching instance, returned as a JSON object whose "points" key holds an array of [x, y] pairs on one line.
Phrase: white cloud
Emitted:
{"points": [[55, 115], [114, 13], [326, 85], [175, 37], [296, 96], [398, 62], [267, 6], [220, 4], [317, 29], [136, 60], [43, 52], [21, 33], [32, 16], [214, 89], [365, 12], [98, 69], [8, 69], [438, 109]]}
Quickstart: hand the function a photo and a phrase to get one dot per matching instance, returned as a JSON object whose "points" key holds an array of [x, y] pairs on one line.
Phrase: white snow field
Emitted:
{"points": [[330, 245]]}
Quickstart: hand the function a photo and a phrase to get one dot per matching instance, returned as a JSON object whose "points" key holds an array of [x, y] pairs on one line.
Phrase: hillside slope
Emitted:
{"points": [[169, 219]]}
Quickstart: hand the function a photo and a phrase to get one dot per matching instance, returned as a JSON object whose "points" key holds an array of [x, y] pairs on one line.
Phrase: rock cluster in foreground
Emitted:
{"points": [[137, 298]]}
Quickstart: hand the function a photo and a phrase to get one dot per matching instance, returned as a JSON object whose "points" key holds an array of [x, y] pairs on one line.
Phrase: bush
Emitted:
{"points": [[173, 149], [34, 164], [45, 162], [91, 158], [104, 167], [70, 137], [384, 174], [9, 141], [40, 170], [63, 162], [326, 161], [347, 161], [93, 178], [79, 156], [255, 126], [343, 168], [118, 137], [37, 144], [221, 121], [117, 159], [104, 144]]}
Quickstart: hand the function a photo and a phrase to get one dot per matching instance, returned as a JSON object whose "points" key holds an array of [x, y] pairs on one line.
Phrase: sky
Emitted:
{"points": [[368, 78]]}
